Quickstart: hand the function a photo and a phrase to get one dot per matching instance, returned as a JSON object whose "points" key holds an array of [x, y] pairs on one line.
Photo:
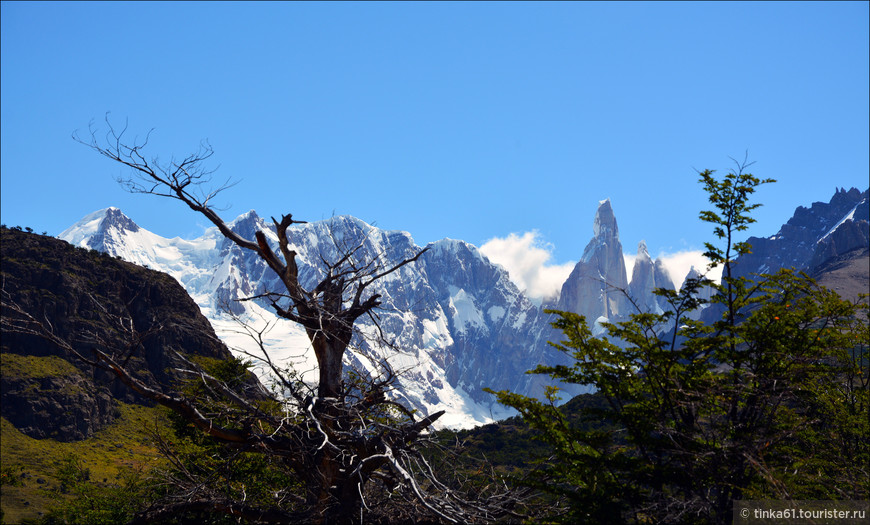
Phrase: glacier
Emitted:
{"points": [[456, 322]]}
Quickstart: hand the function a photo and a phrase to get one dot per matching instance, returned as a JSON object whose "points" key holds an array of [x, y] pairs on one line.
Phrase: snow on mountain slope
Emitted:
{"points": [[812, 235], [456, 322]]}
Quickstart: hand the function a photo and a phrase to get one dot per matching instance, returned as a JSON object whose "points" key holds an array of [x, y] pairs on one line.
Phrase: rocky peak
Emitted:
{"points": [[93, 230], [706, 292], [247, 224], [46, 392], [597, 284], [852, 232], [663, 277], [642, 251], [647, 277], [808, 239], [843, 197], [113, 226], [115, 218], [605, 221]]}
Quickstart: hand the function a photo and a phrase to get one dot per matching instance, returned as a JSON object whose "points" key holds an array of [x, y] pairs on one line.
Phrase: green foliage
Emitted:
{"points": [[768, 402], [730, 196], [110, 455], [94, 503], [72, 473], [11, 475], [509, 445], [240, 473], [35, 367]]}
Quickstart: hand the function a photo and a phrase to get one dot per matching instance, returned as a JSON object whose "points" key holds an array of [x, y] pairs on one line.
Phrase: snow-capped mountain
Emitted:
{"points": [[598, 286], [457, 322], [646, 277], [812, 235]]}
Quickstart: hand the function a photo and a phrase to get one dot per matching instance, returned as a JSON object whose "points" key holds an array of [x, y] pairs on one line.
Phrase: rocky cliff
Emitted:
{"points": [[812, 235], [90, 299], [647, 276], [456, 321], [596, 286]]}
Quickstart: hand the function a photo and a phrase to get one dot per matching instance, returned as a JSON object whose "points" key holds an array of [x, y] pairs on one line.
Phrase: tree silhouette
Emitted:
{"points": [[353, 452]]}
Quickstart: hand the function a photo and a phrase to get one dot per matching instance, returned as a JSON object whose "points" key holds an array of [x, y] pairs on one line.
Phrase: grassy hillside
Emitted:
{"points": [[30, 467], [60, 417]]}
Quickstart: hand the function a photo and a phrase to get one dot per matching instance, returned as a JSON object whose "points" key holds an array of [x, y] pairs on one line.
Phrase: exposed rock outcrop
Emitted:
{"points": [[597, 284], [646, 277], [811, 236], [86, 296], [851, 233]]}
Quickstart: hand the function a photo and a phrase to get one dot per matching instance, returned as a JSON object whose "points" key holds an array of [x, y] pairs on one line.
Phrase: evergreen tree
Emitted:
{"points": [[770, 401]]}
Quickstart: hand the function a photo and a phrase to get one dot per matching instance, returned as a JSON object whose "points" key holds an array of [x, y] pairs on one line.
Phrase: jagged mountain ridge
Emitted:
{"points": [[598, 286], [812, 235], [595, 286], [46, 391], [648, 275], [460, 324]]}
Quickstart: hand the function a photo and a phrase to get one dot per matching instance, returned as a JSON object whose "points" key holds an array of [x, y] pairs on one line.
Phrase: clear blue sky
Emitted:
{"points": [[462, 120]]}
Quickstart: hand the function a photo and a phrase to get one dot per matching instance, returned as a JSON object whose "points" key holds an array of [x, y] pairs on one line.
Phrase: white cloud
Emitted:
{"points": [[629, 263], [526, 259], [678, 265]]}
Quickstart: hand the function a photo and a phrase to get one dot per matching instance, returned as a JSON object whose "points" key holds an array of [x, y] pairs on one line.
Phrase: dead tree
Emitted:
{"points": [[340, 440]]}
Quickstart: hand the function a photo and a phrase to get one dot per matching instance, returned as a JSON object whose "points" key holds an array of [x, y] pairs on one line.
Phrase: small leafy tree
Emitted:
{"points": [[96, 504], [768, 401]]}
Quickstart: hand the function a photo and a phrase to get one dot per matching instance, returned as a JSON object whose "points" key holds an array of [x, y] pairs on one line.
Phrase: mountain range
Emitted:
{"points": [[456, 322]]}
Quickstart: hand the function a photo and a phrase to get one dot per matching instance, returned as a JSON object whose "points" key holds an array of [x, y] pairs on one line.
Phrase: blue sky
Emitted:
{"points": [[465, 120]]}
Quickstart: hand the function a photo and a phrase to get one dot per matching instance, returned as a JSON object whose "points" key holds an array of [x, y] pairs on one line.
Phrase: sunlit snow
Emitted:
{"points": [[201, 267]]}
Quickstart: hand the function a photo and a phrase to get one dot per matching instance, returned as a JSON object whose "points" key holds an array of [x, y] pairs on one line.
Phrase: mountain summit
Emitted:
{"points": [[93, 230], [812, 235], [458, 321], [595, 288], [646, 277]]}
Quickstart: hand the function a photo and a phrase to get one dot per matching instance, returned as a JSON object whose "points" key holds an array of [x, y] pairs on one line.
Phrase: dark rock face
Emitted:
{"points": [[812, 236], [113, 219], [65, 408], [85, 295], [847, 274], [817, 240], [496, 331], [852, 233]]}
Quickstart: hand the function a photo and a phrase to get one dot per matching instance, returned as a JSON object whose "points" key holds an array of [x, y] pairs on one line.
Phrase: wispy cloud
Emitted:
{"points": [[678, 265], [527, 260]]}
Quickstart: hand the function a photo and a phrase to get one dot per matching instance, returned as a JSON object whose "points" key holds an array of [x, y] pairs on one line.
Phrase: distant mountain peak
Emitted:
{"points": [[812, 235], [595, 288], [605, 221], [460, 323], [250, 215], [92, 228], [642, 250], [115, 218]]}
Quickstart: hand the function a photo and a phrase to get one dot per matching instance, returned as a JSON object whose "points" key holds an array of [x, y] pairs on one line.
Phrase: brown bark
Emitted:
{"points": [[335, 444]]}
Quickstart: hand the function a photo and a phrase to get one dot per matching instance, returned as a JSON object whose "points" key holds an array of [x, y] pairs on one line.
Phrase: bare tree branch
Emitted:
{"points": [[341, 441]]}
